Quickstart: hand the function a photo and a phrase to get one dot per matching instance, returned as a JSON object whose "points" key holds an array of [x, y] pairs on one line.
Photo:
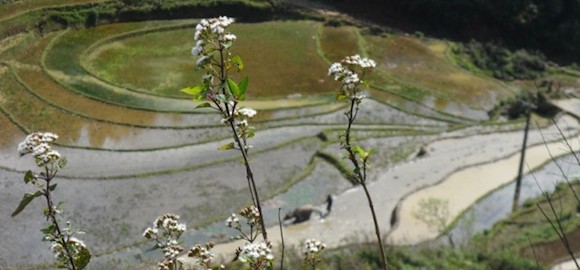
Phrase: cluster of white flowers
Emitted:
{"points": [[252, 215], [233, 222], [172, 249], [166, 231], [37, 144], [60, 253], [203, 255], [312, 247], [357, 60], [246, 112], [241, 117], [345, 71], [165, 226], [206, 31], [256, 253], [168, 264], [212, 25]]}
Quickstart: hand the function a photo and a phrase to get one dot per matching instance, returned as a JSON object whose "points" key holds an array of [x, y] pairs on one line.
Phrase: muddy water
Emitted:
{"points": [[497, 205]]}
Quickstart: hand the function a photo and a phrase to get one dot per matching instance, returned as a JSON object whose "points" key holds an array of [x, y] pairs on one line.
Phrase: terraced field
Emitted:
{"points": [[137, 149]]}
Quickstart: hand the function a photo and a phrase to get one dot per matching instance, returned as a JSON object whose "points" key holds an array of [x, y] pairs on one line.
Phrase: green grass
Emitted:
{"points": [[159, 63], [62, 59], [528, 225]]}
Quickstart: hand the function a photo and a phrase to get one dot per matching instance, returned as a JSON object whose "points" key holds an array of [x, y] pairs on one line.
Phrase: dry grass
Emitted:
{"points": [[338, 42], [423, 64]]}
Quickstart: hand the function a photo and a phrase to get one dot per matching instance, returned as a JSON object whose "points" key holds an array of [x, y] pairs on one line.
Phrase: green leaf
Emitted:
{"points": [[234, 88], [62, 163], [28, 197], [82, 258], [340, 96], [52, 187], [237, 60], [203, 105], [194, 91], [227, 146], [243, 85], [361, 152], [29, 176], [47, 238], [48, 229]]}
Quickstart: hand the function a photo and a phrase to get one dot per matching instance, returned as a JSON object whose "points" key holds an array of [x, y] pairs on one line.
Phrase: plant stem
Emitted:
{"points": [[52, 216], [241, 145], [282, 237], [250, 177], [361, 178]]}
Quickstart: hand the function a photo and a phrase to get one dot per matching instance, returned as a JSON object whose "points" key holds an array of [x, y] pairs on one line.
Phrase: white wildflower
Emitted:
{"points": [[172, 249], [357, 60], [242, 123], [150, 233], [336, 70], [255, 253], [229, 37], [198, 49], [203, 255], [34, 140], [214, 26], [233, 221], [37, 144], [247, 112], [350, 80], [313, 246]]}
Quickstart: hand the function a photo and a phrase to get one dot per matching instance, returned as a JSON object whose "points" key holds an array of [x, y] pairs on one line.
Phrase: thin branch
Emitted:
{"points": [[534, 252], [361, 177], [558, 229], [560, 167], [282, 237]]}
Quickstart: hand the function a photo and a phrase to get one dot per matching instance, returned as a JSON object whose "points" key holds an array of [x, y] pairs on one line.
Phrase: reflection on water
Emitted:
{"points": [[497, 205]]}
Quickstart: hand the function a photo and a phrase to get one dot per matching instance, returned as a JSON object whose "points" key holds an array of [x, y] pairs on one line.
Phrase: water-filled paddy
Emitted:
{"points": [[115, 86]]}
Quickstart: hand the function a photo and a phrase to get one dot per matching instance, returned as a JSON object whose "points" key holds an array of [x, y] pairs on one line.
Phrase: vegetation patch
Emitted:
{"points": [[528, 226], [164, 68], [424, 71], [498, 62], [336, 42]]}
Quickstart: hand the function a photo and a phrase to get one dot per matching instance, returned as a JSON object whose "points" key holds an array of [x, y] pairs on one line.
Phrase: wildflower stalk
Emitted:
{"points": [[212, 50], [70, 252], [347, 72], [51, 214], [361, 176], [166, 231]]}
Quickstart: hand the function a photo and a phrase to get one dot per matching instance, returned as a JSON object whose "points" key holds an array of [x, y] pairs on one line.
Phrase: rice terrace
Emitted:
{"points": [[447, 131]]}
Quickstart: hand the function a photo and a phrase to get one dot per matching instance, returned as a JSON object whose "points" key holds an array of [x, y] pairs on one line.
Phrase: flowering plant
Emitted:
{"points": [[312, 248], [350, 72], [222, 94], [69, 252]]}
